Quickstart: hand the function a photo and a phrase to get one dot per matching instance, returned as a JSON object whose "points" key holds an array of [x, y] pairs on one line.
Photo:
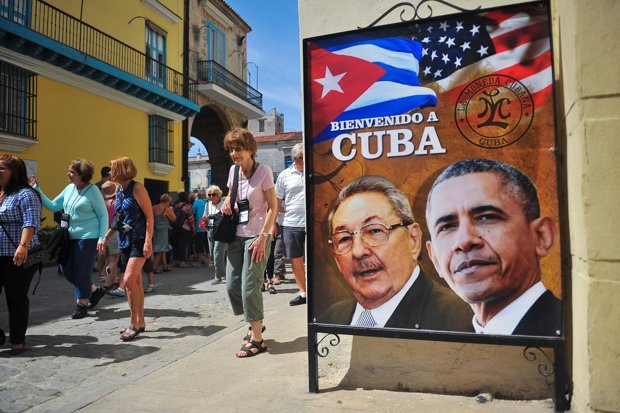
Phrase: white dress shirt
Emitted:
{"points": [[383, 313], [507, 320]]}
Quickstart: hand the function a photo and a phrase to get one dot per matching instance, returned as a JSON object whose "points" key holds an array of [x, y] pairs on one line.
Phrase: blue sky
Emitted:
{"points": [[273, 45]]}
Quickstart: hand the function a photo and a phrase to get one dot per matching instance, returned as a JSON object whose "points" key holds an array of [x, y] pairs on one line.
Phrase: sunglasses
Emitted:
{"points": [[213, 194]]}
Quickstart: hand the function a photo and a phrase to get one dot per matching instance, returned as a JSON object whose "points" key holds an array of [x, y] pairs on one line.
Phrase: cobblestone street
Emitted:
{"points": [[64, 356]]}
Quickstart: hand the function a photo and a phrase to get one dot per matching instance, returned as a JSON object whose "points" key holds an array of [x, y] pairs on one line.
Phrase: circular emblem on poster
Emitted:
{"points": [[494, 111]]}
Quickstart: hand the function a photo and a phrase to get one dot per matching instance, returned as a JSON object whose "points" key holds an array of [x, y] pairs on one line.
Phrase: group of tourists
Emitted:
{"points": [[112, 223]]}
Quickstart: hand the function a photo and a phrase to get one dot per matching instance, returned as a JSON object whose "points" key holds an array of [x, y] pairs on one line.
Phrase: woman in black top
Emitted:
{"points": [[135, 228]]}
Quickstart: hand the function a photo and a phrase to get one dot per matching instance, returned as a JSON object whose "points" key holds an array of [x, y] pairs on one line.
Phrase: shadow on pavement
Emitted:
{"points": [[187, 331], [299, 345], [104, 314], [77, 346]]}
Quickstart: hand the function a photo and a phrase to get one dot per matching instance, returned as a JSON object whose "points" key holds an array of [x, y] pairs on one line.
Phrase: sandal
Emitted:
{"points": [[252, 348], [138, 329], [271, 288], [248, 337], [130, 333]]}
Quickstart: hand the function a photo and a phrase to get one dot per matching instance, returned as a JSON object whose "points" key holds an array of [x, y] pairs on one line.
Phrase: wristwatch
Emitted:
{"points": [[23, 244], [265, 234]]}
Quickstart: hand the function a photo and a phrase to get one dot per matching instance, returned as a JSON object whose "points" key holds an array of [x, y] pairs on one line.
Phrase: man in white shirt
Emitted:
{"points": [[290, 193], [376, 243], [487, 239]]}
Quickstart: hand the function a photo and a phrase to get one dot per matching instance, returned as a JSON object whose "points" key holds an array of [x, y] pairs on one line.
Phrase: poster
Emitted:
{"points": [[432, 189]]}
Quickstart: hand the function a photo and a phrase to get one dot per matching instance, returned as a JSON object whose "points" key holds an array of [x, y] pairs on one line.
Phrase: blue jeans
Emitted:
{"points": [[244, 278], [82, 256]]}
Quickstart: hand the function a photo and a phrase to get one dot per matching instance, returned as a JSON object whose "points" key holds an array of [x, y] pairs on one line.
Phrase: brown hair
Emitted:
{"points": [[241, 137], [123, 169], [84, 168]]}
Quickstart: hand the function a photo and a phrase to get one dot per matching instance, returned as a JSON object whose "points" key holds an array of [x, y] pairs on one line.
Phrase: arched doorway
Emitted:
{"points": [[210, 127]]}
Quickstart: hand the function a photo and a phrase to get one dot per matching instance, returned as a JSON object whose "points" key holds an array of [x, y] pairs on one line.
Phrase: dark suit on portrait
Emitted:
{"points": [[544, 318], [426, 305]]}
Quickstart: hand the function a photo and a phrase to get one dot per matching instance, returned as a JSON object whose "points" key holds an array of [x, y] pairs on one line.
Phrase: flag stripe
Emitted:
{"points": [[515, 22], [385, 91], [373, 53], [524, 35]]}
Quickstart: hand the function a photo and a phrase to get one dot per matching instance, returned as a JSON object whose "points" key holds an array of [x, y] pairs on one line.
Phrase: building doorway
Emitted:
{"points": [[210, 127]]}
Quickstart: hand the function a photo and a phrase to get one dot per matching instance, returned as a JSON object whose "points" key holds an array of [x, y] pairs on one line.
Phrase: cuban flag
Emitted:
{"points": [[355, 77]]}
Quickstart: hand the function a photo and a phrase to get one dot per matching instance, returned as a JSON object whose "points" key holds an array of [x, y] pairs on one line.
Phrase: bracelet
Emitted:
{"points": [[23, 244]]}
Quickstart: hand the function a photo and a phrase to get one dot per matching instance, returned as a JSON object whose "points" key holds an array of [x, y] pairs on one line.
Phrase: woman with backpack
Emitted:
{"points": [[20, 216], [86, 217], [183, 229]]}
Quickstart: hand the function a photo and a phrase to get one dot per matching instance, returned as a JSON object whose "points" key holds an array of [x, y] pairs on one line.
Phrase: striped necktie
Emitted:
{"points": [[366, 320]]}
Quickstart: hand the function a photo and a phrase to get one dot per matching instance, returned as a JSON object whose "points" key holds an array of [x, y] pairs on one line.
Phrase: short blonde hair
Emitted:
{"points": [[165, 198], [123, 169], [215, 189], [241, 137]]}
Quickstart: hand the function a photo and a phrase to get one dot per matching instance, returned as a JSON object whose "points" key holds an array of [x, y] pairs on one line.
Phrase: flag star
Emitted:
{"points": [[450, 42], [459, 26], [482, 51], [429, 29], [427, 71], [433, 55], [438, 73], [424, 51], [475, 29], [457, 62], [443, 26], [465, 46], [426, 40], [330, 82], [445, 58], [442, 39]]}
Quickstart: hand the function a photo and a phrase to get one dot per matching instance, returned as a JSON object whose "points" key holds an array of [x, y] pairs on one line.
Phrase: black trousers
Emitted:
{"points": [[181, 241], [15, 281]]}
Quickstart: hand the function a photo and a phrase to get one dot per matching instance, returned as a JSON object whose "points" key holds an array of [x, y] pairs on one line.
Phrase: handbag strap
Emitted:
{"points": [[7, 234], [233, 193]]}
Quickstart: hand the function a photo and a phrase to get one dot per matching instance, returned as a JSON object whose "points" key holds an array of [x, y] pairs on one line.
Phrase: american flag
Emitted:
{"points": [[513, 43]]}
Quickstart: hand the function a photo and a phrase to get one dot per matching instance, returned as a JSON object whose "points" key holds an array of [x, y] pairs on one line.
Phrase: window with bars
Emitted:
{"points": [[16, 10], [155, 54], [18, 90], [216, 44], [161, 142]]}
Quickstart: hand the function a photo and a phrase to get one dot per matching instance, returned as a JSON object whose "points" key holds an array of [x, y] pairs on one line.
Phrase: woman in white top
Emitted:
{"points": [[217, 249]]}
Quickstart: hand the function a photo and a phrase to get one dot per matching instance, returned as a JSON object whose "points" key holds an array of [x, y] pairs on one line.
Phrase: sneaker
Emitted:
{"points": [[81, 311], [298, 300], [110, 287], [118, 292], [216, 281], [149, 289], [96, 296]]}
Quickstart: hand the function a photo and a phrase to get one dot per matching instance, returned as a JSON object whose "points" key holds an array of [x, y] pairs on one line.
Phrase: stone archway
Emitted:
{"points": [[210, 127]]}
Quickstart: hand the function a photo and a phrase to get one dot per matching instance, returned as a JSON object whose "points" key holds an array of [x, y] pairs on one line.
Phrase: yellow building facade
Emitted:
{"points": [[95, 80]]}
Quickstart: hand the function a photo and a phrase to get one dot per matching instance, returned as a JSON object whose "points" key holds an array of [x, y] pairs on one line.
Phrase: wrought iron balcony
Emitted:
{"points": [[212, 72], [150, 80]]}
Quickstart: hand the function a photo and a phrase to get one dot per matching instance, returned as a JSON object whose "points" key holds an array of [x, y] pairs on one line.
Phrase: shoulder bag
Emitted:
{"points": [[225, 226]]}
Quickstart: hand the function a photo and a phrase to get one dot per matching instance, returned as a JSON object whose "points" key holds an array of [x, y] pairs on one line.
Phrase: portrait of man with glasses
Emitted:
{"points": [[376, 242]]}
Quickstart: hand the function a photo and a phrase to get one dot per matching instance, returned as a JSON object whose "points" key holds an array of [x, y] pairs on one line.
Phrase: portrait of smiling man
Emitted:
{"points": [[487, 240], [376, 242]]}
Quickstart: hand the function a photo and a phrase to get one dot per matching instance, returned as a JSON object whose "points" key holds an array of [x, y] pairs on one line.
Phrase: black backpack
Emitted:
{"points": [[181, 215]]}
